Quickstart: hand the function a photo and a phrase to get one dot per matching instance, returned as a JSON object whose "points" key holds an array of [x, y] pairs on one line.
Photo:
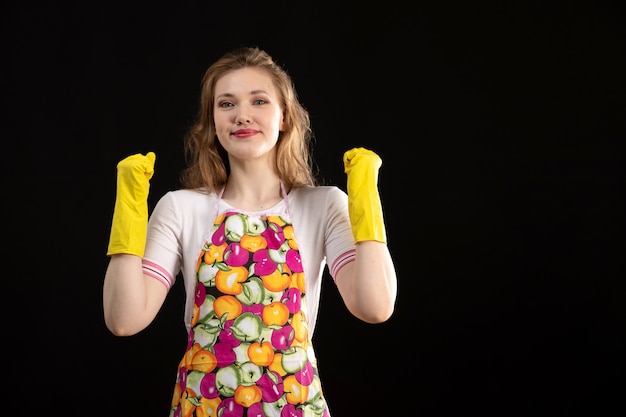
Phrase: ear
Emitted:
{"points": [[281, 128]]}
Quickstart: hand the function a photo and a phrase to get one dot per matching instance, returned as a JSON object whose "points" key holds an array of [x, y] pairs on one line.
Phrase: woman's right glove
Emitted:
{"points": [[366, 214], [130, 215]]}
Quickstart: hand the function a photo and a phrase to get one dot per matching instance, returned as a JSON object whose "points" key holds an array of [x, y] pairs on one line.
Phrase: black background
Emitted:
{"points": [[500, 126]]}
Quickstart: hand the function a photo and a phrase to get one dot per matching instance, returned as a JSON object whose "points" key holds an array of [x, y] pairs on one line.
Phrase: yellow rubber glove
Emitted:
{"points": [[130, 215], [366, 213]]}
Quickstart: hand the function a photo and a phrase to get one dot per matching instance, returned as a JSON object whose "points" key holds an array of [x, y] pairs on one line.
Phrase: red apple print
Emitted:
{"points": [[190, 339], [305, 375], [208, 389], [292, 298], [182, 379], [254, 309], [289, 410], [200, 294], [226, 335], [263, 264], [271, 384], [283, 338], [256, 410], [274, 235], [225, 354], [219, 236], [293, 260], [229, 408], [235, 255]]}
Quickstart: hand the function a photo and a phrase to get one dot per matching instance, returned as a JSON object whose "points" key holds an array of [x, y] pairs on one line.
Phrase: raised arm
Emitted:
{"points": [[131, 300], [368, 285]]}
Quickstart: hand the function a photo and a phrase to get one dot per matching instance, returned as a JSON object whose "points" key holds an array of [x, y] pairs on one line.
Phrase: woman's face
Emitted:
{"points": [[247, 113]]}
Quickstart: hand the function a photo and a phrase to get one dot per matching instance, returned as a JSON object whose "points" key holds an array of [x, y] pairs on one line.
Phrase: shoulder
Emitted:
{"points": [[186, 199], [323, 198], [311, 192], [190, 194]]}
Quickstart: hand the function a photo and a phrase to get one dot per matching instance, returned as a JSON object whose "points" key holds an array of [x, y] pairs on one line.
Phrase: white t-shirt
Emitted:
{"points": [[181, 220]]}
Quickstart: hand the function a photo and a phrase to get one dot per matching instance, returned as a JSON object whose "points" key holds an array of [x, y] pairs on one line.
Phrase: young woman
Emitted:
{"points": [[251, 233]]}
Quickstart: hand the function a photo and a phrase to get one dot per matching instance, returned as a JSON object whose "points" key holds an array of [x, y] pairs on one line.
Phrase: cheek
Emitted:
{"points": [[218, 120], [222, 124]]}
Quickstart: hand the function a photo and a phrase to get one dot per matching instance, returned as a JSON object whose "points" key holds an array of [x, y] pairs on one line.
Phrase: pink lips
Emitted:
{"points": [[245, 133]]}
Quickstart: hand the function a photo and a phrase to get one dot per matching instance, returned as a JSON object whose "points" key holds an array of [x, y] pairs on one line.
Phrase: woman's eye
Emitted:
{"points": [[226, 104], [259, 101]]}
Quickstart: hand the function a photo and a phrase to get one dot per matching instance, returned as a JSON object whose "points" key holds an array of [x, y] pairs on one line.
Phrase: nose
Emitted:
{"points": [[242, 116]]}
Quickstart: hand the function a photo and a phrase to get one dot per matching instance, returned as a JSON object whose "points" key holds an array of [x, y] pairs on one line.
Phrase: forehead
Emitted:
{"points": [[245, 81]]}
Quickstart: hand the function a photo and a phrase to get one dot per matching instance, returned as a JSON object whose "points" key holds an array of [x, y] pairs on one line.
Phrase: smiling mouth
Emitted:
{"points": [[245, 133]]}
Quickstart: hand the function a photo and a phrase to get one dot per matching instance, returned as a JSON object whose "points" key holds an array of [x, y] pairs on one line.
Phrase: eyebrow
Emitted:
{"points": [[253, 92]]}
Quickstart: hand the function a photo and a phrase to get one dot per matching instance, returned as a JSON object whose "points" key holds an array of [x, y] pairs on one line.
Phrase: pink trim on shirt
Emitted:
{"points": [[342, 261], [155, 271]]}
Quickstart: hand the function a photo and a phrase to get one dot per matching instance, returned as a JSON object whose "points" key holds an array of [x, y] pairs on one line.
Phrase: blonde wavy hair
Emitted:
{"points": [[207, 161]]}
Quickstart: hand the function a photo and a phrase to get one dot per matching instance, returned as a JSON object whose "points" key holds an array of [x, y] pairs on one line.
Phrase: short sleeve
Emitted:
{"points": [[340, 247], [163, 254]]}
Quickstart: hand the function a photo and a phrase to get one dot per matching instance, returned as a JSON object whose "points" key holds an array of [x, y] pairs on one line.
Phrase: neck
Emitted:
{"points": [[252, 193]]}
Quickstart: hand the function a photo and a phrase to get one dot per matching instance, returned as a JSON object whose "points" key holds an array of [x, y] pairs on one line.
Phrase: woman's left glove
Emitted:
{"points": [[130, 215], [366, 215]]}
